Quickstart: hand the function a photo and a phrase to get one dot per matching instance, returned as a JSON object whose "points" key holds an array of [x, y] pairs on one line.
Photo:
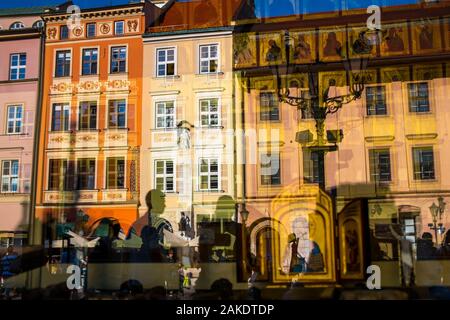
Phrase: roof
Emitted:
{"points": [[195, 14], [30, 11]]}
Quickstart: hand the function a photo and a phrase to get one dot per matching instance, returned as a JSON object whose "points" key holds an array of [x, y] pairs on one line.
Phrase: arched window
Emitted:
{"points": [[38, 24], [17, 25]]}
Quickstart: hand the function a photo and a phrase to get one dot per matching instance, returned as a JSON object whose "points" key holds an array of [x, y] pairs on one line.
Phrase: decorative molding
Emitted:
{"points": [[421, 136], [379, 138]]}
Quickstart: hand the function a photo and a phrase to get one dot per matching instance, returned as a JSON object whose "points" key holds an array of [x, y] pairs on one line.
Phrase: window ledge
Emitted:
{"points": [[15, 134], [61, 131], [210, 191], [87, 130], [115, 129], [174, 77]]}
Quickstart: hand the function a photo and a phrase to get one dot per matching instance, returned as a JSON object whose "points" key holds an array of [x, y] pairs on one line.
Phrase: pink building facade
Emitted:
{"points": [[20, 50]]}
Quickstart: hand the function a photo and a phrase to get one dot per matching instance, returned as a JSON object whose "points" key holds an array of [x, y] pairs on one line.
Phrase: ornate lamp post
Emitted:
{"points": [[322, 106], [436, 213]]}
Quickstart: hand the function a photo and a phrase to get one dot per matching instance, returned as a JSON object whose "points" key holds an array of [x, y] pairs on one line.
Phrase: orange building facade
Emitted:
{"points": [[89, 141]]}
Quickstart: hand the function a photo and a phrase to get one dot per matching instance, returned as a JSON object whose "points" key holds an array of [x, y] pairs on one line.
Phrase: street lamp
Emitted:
{"points": [[436, 213], [322, 105]]}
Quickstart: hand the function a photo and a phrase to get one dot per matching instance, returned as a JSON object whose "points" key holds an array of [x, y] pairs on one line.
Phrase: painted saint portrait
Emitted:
{"points": [[426, 36], [244, 50], [270, 49], [362, 42], [395, 41], [303, 47], [332, 45]]}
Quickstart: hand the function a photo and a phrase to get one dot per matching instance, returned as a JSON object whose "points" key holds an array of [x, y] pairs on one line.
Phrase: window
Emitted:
{"points": [[15, 114], [118, 59], [380, 165], [10, 176], [38, 24], [17, 25], [165, 114], [117, 114], [209, 174], [423, 159], [165, 62], [312, 167], [90, 30], [270, 169], [60, 117], [376, 101], [85, 174], [209, 60], [59, 175], [90, 61], [87, 116], [418, 97], [115, 173], [119, 27], [269, 106], [17, 66], [409, 229], [63, 32], [63, 60], [209, 112], [164, 175]]}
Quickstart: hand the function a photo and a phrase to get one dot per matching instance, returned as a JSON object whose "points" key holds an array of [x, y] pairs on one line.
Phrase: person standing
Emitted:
{"points": [[7, 270]]}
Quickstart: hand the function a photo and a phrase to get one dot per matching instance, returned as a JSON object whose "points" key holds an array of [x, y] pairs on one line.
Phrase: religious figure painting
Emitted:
{"points": [[394, 74], [362, 43], [427, 72], [426, 36], [270, 49], [303, 47], [447, 33], [332, 45], [244, 50], [395, 40]]}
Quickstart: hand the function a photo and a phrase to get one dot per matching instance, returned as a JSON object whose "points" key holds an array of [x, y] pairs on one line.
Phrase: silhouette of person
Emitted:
{"points": [[150, 227], [315, 260], [332, 46]]}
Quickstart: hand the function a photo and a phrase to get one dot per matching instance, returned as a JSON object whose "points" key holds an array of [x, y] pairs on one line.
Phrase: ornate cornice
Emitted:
{"points": [[126, 11]]}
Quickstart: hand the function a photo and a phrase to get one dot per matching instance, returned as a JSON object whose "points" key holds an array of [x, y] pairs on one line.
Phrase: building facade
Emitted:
{"points": [[381, 172], [188, 121], [20, 56], [90, 133]]}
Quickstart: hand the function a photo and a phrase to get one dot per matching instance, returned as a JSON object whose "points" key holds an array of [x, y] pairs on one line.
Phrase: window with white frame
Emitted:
{"points": [[119, 27], [209, 174], [165, 62], [209, 112], [209, 58], [17, 66], [10, 176], [165, 175], [418, 94], [165, 114], [117, 114], [60, 117], [118, 59], [115, 173], [15, 119], [86, 174]]}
